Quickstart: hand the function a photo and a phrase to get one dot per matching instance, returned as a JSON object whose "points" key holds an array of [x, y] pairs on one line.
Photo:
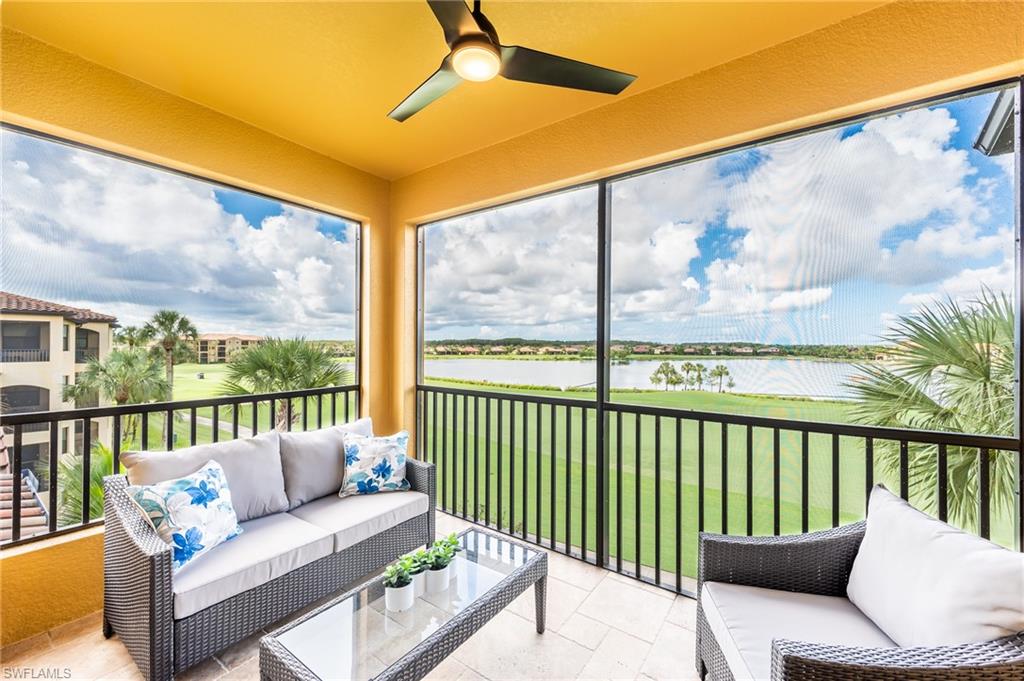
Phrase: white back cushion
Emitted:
{"points": [[925, 583], [252, 467], [314, 461]]}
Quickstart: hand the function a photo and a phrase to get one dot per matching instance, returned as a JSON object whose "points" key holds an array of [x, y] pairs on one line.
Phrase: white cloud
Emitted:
{"points": [[823, 209], [531, 266], [789, 300], [125, 239], [968, 285]]}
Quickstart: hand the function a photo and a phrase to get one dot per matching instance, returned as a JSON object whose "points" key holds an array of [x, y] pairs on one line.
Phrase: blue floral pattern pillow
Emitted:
{"points": [[374, 464], [192, 514]]}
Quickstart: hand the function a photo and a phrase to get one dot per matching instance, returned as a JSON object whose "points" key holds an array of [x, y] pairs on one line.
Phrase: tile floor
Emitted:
{"points": [[600, 626]]}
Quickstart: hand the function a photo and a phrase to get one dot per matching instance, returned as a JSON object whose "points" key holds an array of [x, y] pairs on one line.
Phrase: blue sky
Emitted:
{"points": [[823, 238], [125, 239]]}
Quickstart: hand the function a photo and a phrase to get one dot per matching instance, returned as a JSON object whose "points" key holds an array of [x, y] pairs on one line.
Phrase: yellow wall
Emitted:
{"points": [[47, 584], [894, 54], [891, 55], [52, 91]]}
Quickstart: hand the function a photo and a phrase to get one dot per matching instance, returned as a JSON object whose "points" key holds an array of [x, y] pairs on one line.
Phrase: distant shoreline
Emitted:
{"points": [[649, 358]]}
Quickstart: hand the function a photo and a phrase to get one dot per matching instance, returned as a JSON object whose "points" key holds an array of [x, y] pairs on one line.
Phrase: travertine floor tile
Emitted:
{"points": [[574, 571], [672, 655], [683, 613], [583, 630], [247, 671], [241, 652], [562, 601], [627, 608], [204, 671], [637, 584], [89, 656], [619, 656], [509, 647]]}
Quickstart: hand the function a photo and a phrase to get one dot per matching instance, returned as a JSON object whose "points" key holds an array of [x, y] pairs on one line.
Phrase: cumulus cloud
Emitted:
{"points": [[831, 207], [531, 266], [125, 239]]}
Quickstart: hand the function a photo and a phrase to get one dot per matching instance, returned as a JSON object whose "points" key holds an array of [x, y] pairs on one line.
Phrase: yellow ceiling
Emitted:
{"points": [[325, 74]]}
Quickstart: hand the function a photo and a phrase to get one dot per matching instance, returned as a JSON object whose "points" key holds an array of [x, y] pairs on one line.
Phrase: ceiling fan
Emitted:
{"points": [[475, 54]]}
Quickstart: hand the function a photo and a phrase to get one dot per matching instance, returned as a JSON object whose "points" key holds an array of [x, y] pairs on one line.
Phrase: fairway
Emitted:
{"points": [[535, 472], [542, 484]]}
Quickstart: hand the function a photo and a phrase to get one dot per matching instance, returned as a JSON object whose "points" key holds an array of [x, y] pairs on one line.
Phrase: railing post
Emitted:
{"points": [[601, 506]]}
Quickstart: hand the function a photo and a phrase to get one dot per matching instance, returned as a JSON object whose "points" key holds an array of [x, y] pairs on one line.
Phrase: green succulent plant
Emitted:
{"points": [[443, 552], [399, 573]]}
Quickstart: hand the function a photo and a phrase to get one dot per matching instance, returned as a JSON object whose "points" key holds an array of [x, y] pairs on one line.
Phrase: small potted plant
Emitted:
{"points": [[420, 564], [440, 556], [399, 592]]}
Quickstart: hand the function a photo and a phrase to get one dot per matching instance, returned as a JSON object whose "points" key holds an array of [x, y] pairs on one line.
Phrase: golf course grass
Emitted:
{"points": [[644, 484]]}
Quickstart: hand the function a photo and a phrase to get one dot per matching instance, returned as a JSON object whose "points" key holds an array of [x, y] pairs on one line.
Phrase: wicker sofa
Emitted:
{"points": [[280, 563], [808, 567]]}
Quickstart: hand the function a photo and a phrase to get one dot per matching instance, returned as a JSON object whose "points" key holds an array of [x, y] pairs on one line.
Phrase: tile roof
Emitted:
{"points": [[11, 302]]}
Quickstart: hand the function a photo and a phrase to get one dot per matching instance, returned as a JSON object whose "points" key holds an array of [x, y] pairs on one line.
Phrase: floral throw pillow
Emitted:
{"points": [[374, 464], [192, 514]]}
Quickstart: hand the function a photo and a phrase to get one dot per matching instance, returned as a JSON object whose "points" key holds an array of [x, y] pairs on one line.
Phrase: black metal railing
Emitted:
{"points": [[95, 452], [34, 355], [632, 493]]}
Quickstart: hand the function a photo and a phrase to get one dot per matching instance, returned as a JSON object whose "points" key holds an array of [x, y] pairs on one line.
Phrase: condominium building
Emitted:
{"points": [[43, 346], [218, 347]]}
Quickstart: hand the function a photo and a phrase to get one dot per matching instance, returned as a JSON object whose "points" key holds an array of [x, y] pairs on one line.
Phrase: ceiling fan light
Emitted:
{"points": [[476, 61]]}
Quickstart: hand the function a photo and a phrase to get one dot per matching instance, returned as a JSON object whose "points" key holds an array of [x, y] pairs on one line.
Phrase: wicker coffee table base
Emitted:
{"points": [[277, 663]]}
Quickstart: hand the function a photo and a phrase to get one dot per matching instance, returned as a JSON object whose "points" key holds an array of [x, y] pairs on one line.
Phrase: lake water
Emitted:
{"points": [[789, 377]]}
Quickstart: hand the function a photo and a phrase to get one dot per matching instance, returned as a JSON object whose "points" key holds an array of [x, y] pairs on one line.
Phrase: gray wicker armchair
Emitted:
{"points": [[820, 563], [138, 599]]}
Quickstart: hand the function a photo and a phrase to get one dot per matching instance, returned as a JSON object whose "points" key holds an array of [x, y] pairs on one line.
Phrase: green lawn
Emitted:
{"points": [[634, 473], [188, 386]]}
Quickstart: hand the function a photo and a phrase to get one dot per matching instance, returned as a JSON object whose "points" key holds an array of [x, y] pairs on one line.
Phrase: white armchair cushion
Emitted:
{"points": [[252, 467], [925, 583], [314, 461], [746, 619]]}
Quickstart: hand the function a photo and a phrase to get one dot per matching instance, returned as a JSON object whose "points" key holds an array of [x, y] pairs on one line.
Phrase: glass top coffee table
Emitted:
{"points": [[355, 637]]}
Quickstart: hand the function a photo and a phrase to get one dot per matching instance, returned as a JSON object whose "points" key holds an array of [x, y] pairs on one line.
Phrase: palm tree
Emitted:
{"points": [[674, 378], [719, 372], [122, 377], [132, 337], [951, 368], [280, 365], [173, 334], [698, 376], [69, 473]]}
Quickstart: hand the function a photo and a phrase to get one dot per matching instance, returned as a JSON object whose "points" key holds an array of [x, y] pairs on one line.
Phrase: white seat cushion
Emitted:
{"points": [[353, 519], [925, 583], [745, 620], [268, 547]]}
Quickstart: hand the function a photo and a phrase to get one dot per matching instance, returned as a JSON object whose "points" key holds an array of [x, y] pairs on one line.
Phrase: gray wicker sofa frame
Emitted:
{"points": [[138, 602], [820, 563]]}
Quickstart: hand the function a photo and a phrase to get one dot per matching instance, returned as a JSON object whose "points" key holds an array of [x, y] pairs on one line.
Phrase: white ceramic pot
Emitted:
{"points": [[419, 581], [437, 580], [397, 600]]}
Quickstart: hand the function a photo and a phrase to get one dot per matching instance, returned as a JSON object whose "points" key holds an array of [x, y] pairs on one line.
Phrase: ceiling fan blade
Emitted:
{"points": [[455, 18], [531, 66], [443, 80]]}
